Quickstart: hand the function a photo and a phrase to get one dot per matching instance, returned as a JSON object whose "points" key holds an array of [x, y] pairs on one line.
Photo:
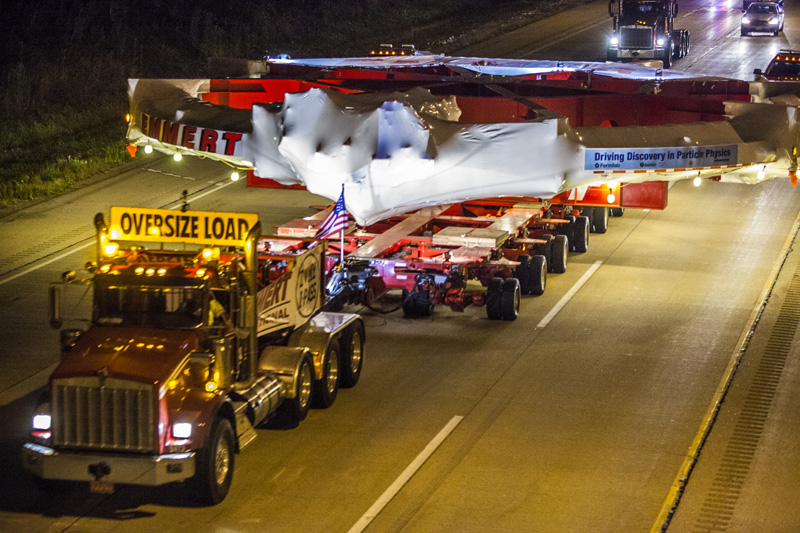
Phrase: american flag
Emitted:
{"points": [[336, 221]]}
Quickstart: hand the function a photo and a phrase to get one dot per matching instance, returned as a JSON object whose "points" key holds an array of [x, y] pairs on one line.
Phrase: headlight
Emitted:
{"points": [[182, 430], [745, 20], [613, 41], [660, 42], [773, 21], [41, 422]]}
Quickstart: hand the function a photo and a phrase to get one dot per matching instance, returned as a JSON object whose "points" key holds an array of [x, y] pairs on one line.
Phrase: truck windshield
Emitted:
{"points": [[630, 8], [156, 306], [783, 69]]}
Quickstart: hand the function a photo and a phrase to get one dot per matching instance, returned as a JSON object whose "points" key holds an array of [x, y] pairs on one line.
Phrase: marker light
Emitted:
{"points": [[211, 254], [697, 181], [182, 430], [41, 422], [139, 270], [110, 249], [177, 156], [611, 198], [148, 149], [234, 176], [127, 117], [201, 272], [162, 271], [150, 271]]}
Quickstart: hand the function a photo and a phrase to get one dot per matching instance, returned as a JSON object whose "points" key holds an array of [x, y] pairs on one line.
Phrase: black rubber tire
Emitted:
{"points": [[296, 409], [522, 273], [510, 299], [558, 254], [494, 290], [327, 386], [415, 305], [545, 250], [666, 59], [214, 464], [579, 241], [617, 211], [599, 219], [538, 275], [352, 358]]}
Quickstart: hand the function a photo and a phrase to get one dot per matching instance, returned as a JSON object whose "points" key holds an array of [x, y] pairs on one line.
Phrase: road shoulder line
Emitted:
{"points": [[676, 490]]}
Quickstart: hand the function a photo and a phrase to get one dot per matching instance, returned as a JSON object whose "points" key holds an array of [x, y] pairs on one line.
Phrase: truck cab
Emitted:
{"points": [[193, 343], [643, 30]]}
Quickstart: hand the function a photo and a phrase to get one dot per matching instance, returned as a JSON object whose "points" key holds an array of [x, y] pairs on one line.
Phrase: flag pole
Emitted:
{"points": [[341, 234]]}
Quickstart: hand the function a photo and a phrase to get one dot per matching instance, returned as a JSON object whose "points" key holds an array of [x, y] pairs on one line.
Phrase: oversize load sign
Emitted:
{"points": [[657, 158], [192, 227]]}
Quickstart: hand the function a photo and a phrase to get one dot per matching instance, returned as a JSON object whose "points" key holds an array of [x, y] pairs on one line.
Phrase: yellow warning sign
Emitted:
{"points": [[191, 227]]}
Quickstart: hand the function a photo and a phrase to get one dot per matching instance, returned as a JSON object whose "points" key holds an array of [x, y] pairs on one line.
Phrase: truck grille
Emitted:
{"points": [[116, 416], [637, 37]]}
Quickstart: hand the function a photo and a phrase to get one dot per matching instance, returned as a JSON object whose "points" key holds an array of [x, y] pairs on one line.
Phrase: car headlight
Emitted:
{"points": [[660, 42], [182, 430], [745, 20], [613, 41], [773, 20], [41, 422]]}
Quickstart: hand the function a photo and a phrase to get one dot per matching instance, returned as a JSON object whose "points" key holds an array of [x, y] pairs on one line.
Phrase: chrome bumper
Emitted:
{"points": [[640, 54], [48, 463]]}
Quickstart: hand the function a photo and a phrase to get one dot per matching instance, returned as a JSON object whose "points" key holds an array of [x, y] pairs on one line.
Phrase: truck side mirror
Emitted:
{"points": [[757, 73]]}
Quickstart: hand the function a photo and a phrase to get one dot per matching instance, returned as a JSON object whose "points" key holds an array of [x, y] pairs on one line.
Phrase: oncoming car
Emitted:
{"points": [[762, 17], [785, 66]]}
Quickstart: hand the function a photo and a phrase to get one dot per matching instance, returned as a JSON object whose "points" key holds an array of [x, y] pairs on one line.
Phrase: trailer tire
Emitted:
{"points": [[296, 409], [617, 211], [352, 355], [579, 241], [509, 299], [522, 273], [414, 304], [538, 275], [545, 249], [215, 462], [494, 291], [599, 219], [327, 387], [558, 254]]}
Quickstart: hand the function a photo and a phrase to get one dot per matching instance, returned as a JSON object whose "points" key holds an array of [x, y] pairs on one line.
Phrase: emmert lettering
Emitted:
{"points": [[201, 139]]}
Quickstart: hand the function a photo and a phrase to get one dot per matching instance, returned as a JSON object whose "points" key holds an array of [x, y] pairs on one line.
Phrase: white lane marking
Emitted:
{"points": [[92, 242], [567, 297], [410, 470]]}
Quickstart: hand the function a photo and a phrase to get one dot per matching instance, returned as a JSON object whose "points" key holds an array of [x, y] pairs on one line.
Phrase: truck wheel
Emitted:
{"points": [[494, 291], [296, 409], [544, 249], [509, 299], [666, 59], [215, 461], [327, 387], [522, 273], [558, 255], [579, 241], [617, 211], [418, 304], [599, 220], [538, 275], [352, 355]]}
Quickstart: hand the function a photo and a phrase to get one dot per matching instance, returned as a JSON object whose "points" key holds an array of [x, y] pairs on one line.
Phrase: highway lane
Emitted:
{"points": [[580, 425]]}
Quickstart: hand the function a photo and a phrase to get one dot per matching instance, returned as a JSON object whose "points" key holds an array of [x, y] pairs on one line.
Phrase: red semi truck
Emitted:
{"points": [[201, 330]]}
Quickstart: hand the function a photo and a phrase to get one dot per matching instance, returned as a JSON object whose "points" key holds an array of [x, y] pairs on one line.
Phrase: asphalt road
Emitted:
{"points": [[579, 424]]}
